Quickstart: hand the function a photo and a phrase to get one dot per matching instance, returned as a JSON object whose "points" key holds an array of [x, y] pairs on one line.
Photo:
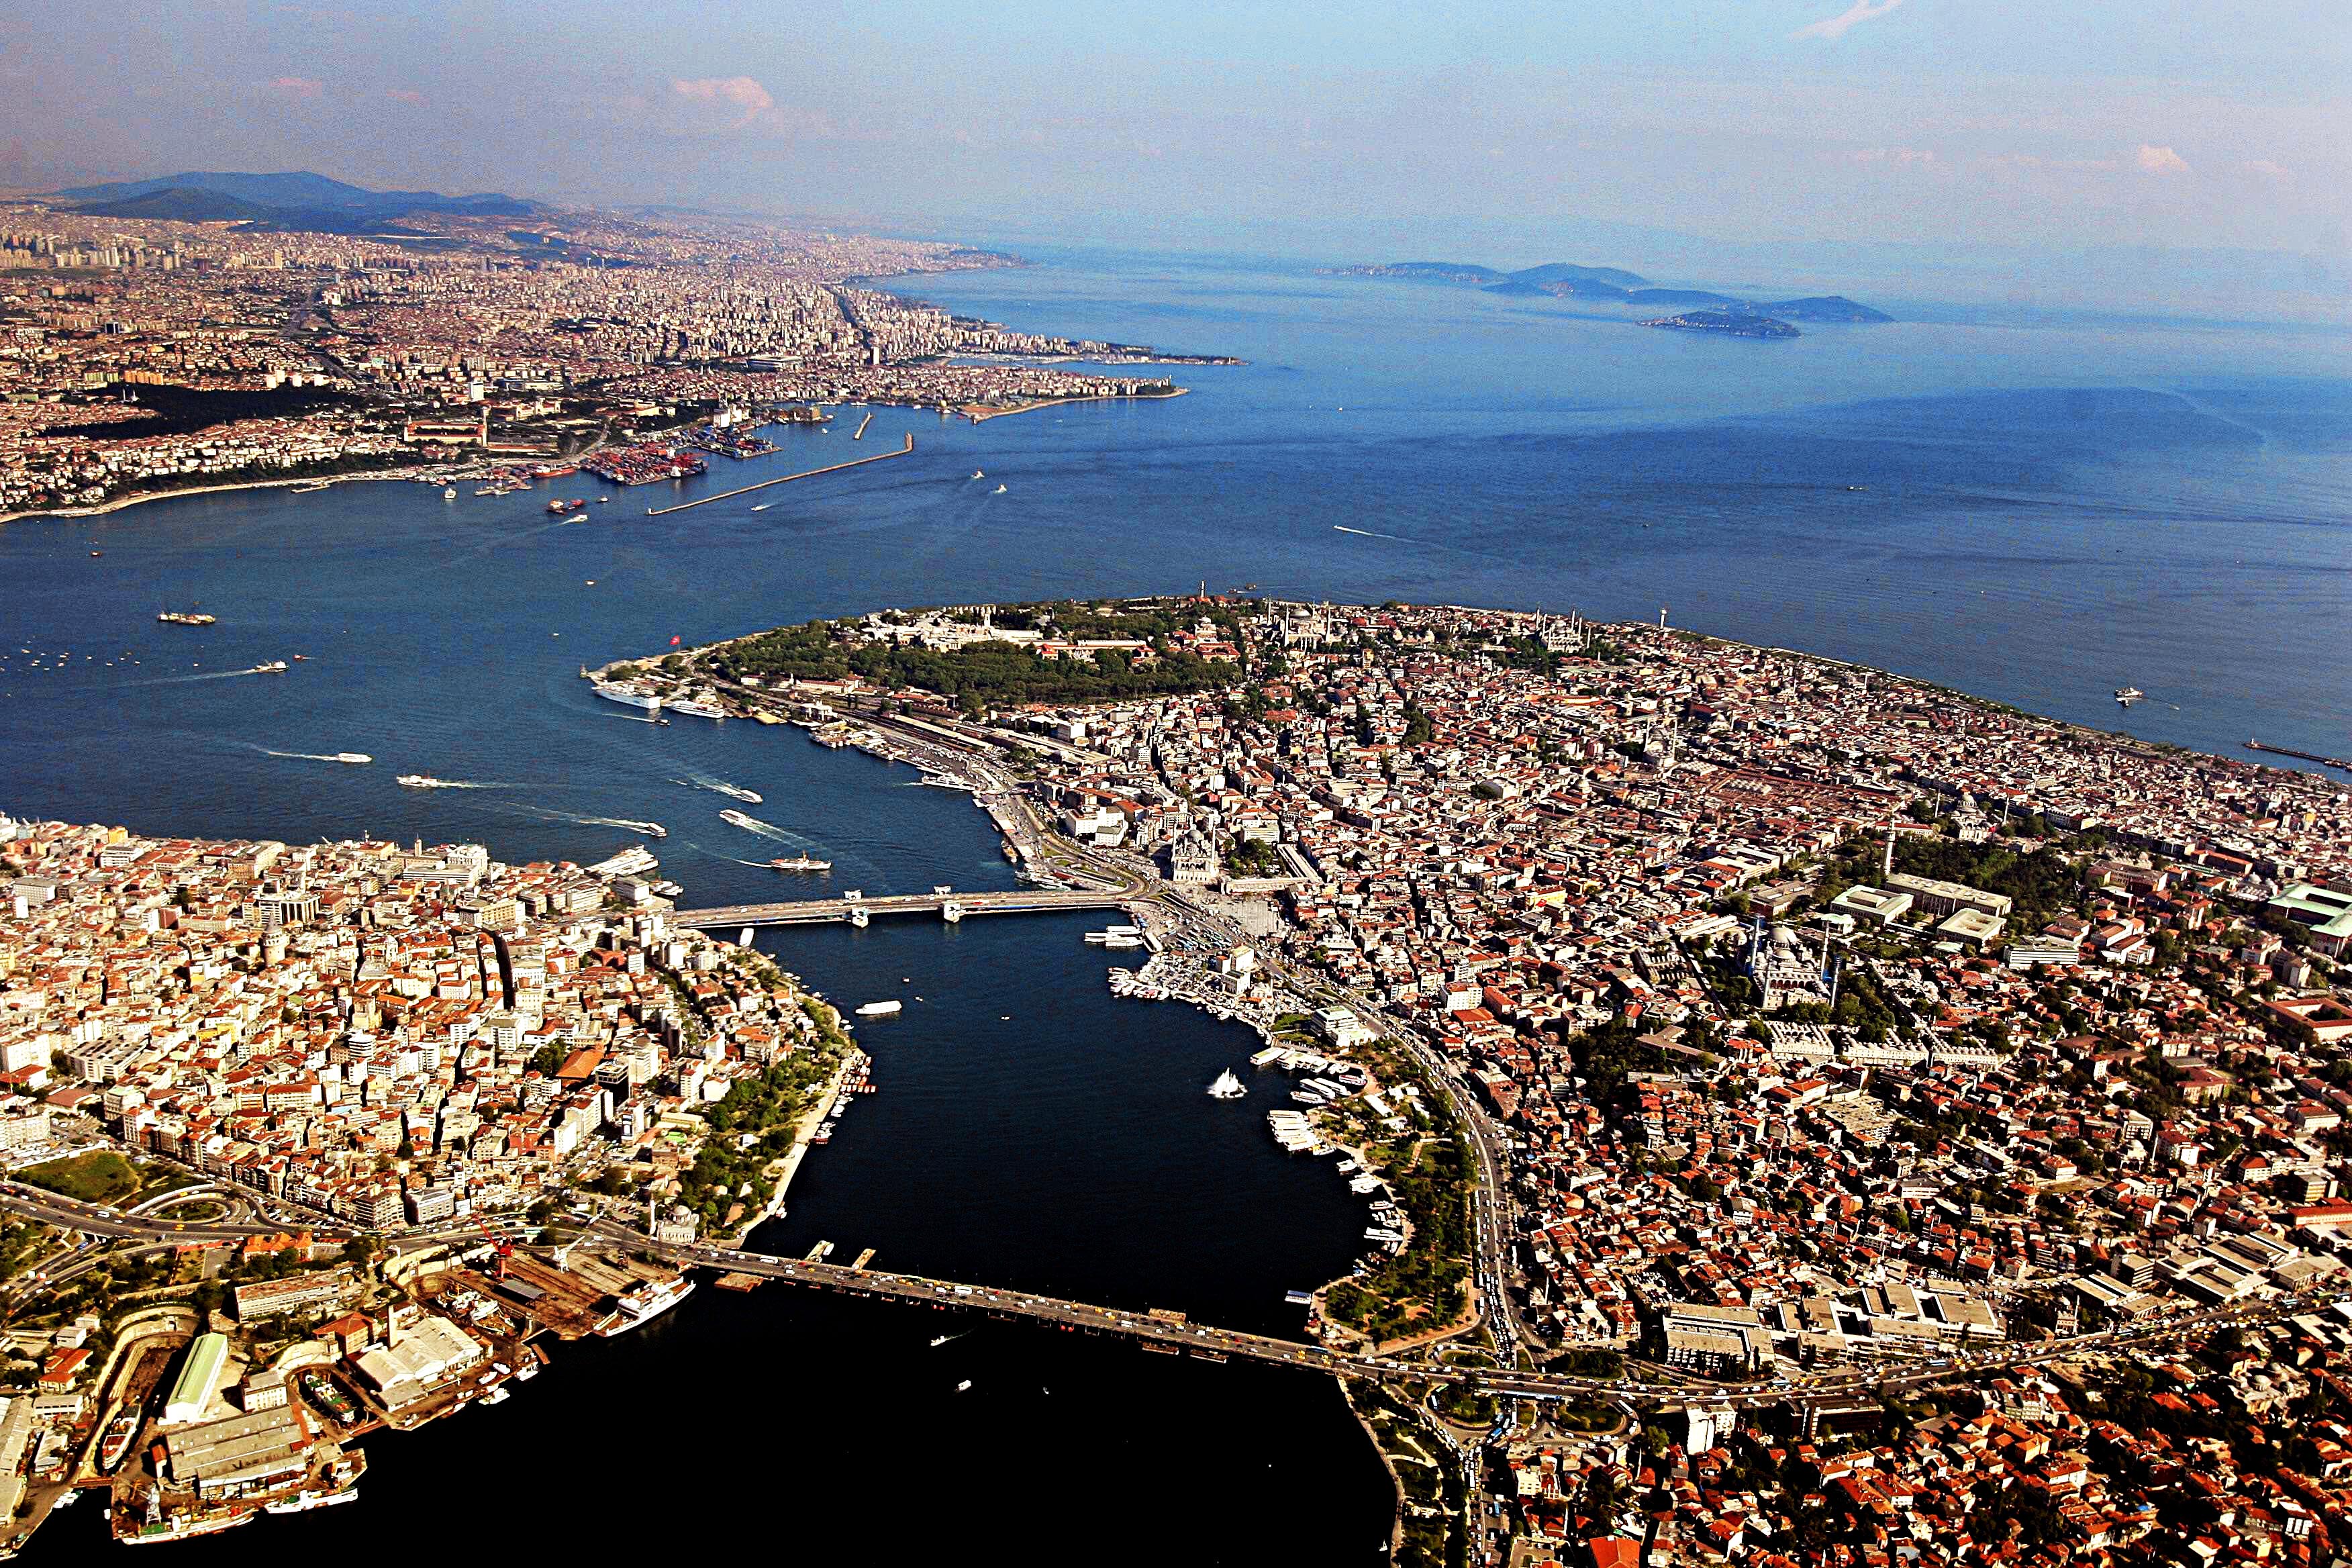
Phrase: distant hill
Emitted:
{"points": [[178, 204], [288, 201], [1567, 272], [1826, 308]]}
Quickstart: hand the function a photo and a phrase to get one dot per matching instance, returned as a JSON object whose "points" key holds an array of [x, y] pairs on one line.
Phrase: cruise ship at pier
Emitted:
{"points": [[634, 699]]}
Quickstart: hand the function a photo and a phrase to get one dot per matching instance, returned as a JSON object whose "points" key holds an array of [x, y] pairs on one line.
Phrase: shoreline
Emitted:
{"points": [[984, 416], [123, 503]]}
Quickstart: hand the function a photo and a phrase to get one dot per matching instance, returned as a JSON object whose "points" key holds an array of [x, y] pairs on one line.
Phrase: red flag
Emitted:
{"points": [[673, 642]]}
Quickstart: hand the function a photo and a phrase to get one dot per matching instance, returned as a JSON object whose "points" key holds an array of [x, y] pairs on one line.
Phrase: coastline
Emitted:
{"points": [[123, 502], [984, 416]]}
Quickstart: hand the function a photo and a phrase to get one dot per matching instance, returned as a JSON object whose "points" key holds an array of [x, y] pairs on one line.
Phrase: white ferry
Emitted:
{"points": [[879, 1010], [356, 759], [697, 709], [644, 1304], [612, 693]]}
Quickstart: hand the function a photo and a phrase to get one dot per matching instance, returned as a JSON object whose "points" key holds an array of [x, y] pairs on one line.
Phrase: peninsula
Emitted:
{"points": [[1748, 1050]]}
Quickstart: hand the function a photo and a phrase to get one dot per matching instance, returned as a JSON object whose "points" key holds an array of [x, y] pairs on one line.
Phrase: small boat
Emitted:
{"points": [[964, 1385], [2127, 695], [497, 1396], [940, 1340], [356, 759], [764, 506], [999, 490], [979, 473], [96, 553], [449, 494], [301, 659]]}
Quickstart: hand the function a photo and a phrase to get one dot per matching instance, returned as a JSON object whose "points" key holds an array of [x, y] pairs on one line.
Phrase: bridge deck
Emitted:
{"points": [[805, 912]]}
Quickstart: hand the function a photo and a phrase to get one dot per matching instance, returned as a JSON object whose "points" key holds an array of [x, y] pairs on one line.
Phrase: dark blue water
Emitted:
{"points": [[2045, 512]]}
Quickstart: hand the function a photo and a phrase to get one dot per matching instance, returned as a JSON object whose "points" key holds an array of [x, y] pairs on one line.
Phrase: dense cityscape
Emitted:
{"points": [[145, 355]]}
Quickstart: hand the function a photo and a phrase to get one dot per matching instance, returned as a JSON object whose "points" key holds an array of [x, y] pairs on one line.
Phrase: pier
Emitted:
{"points": [[2255, 745], [948, 906], [784, 479]]}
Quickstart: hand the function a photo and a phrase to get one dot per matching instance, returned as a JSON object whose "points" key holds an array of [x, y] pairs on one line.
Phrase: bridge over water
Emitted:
{"points": [[950, 906]]}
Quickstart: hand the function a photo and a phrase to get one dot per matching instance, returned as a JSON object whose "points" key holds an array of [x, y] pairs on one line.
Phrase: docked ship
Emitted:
{"points": [[187, 618], [612, 693], [801, 863], [697, 707], [644, 1304], [1227, 1087]]}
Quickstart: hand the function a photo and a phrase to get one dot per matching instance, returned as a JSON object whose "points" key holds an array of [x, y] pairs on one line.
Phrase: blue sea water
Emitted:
{"points": [[2037, 512]]}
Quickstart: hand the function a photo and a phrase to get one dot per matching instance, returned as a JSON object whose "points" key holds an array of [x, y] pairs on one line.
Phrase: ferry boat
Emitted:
{"points": [[117, 1441], [304, 1502], [612, 693], [879, 1010], [422, 781], [644, 1304], [738, 791], [650, 829], [1227, 1087], [2127, 695], [801, 863], [698, 709], [447, 493], [746, 821], [274, 667], [187, 618], [764, 506], [355, 758]]}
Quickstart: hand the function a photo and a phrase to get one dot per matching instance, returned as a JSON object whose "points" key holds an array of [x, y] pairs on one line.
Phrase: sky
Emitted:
{"points": [[1365, 130]]}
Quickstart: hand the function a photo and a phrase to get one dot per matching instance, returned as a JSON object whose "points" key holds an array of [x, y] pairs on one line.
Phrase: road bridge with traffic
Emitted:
{"points": [[950, 906]]}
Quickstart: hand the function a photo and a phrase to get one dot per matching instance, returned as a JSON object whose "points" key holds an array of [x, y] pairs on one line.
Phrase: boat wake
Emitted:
{"points": [[764, 829], [719, 786], [578, 820], [473, 784], [315, 756], [1368, 533], [730, 859]]}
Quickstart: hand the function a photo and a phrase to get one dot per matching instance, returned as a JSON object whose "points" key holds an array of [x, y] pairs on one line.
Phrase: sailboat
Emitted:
{"points": [[979, 473], [999, 490], [1227, 1087]]}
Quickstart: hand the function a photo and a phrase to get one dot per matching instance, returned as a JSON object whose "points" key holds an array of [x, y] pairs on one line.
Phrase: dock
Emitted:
{"points": [[2346, 763], [785, 480], [859, 434]]}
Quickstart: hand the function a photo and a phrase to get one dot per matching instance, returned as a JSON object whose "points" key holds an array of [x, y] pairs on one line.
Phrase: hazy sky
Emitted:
{"points": [[1960, 123]]}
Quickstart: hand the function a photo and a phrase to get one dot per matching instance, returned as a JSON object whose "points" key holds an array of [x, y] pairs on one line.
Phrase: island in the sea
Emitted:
{"points": [[1614, 286], [1730, 323]]}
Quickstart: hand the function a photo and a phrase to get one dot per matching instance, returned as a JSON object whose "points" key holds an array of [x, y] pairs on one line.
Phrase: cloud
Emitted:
{"points": [[2267, 169], [2161, 160], [404, 95], [742, 91], [1835, 26], [297, 86], [1901, 157]]}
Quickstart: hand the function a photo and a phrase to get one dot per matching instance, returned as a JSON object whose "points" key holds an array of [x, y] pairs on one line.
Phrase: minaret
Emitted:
{"points": [[1887, 866]]}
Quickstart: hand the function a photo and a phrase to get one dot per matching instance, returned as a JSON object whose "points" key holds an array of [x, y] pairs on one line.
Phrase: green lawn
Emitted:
{"points": [[100, 1176]]}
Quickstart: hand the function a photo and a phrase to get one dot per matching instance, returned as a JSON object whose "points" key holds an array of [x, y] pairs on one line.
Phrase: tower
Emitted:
{"points": [[1886, 863]]}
